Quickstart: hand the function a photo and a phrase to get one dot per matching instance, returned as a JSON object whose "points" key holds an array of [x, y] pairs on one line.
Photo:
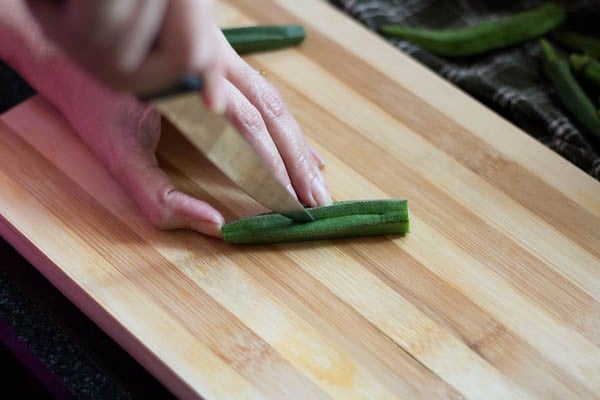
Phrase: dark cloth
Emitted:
{"points": [[511, 80]]}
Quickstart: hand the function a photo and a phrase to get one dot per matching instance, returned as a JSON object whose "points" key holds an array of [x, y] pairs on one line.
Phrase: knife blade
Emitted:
{"points": [[225, 147]]}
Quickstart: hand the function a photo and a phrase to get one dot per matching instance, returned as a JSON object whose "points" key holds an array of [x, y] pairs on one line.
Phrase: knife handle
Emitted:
{"points": [[190, 83]]}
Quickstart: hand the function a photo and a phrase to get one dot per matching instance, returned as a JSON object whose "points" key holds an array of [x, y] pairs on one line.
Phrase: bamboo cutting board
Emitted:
{"points": [[494, 294]]}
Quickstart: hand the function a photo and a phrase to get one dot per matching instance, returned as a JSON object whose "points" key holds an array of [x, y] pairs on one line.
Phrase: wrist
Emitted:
{"points": [[24, 47]]}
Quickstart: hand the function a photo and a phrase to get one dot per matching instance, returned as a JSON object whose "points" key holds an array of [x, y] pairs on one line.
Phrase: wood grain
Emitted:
{"points": [[494, 294]]}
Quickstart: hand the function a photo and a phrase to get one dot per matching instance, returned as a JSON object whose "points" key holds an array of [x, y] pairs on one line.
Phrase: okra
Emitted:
{"points": [[569, 91], [484, 36], [339, 220], [251, 39], [587, 68], [576, 41]]}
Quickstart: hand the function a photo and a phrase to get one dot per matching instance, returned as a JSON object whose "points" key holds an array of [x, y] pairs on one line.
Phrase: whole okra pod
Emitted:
{"points": [[569, 91], [341, 219], [251, 39], [484, 36], [576, 41], [588, 68]]}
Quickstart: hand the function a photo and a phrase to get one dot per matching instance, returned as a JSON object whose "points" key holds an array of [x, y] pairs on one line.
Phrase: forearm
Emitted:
{"points": [[53, 75], [25, 49]]}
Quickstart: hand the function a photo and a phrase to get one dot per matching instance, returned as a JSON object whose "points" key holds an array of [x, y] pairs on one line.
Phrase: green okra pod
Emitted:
{"points": [[341, 219], [576, 41], [251, 39], [484, 36], [587, 68], [569, 91]]}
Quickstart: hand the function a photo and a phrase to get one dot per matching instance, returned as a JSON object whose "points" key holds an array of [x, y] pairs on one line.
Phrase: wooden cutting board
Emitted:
{"points": [[494, 294]]}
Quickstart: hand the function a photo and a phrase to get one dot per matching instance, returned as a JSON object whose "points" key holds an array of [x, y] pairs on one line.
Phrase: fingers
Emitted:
{"points": [[133, 164], [298, 159], [140, 46], [124, 135], [249, 121], [165, 206], [109, 38], [139, 35], [186, 47]]}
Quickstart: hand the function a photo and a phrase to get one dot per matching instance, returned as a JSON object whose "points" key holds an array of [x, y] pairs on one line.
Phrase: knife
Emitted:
{"points": [[225, 147]]}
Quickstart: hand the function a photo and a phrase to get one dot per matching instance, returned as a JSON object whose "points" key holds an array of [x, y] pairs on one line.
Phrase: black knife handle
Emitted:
{"points": [[190, 83]]}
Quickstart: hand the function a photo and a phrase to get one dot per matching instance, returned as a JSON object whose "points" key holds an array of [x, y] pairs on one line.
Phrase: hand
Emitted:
{"points": [[138, 45], [124, 134], [258, 111]]}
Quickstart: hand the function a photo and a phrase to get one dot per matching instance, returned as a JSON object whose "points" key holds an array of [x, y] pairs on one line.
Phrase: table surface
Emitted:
{"points": [[494, 293]]}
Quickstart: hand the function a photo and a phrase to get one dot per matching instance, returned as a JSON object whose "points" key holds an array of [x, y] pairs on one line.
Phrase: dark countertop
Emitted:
{"points": [[50, 349]]}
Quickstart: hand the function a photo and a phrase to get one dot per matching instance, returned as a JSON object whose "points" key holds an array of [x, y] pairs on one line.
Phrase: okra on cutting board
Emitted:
{"points": [[339, 220], [251, 39]]}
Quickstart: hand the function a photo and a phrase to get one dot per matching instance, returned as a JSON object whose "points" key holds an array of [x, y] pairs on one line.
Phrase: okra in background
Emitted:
{"points": [[587, 69], [545, 22], [589, 45], [484, 36], [570, 93], [252, 39]]}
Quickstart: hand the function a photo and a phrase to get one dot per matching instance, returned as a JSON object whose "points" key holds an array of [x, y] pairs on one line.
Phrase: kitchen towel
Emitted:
{"points": [[511, 80]]}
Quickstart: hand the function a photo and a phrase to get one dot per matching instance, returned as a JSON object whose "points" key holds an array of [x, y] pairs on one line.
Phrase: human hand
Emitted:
{"points": [[124, 134], [139, 46]]}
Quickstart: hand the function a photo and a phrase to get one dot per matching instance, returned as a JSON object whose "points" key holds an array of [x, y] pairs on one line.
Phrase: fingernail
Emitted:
{"points": [[210, 228], [320, 192]]}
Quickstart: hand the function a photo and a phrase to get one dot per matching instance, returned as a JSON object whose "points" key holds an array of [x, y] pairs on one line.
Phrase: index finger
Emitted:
{"points": [[285, 131]]}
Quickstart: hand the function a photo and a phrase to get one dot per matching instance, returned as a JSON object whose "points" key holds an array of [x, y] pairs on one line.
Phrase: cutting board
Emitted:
{"points": [[494, 294]]}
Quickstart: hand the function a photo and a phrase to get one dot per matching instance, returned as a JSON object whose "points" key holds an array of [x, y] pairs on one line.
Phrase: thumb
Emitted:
{"points": [[164, 205]]}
